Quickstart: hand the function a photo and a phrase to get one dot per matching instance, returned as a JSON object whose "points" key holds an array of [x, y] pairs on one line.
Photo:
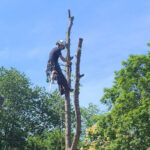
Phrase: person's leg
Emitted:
{"points": [[61, 89], [61, 79], [64, 82]]}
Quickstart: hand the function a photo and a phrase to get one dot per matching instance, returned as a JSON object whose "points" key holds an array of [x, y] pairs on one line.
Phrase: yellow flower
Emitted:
{"points": [[108, 138]]}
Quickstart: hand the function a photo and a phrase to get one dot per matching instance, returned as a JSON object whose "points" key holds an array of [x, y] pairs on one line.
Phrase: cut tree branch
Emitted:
{"points": [[82, 75]]}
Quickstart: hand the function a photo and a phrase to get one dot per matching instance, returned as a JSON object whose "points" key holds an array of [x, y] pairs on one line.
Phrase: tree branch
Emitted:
{"points": [[81, 75]]}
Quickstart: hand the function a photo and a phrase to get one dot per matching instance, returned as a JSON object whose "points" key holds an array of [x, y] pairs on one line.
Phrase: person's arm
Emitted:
{"points": [[64, 60]]}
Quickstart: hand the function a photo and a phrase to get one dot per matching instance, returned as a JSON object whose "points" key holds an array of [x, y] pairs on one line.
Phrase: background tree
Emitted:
{"points": [[88, 115], [127, 125], [27, 110], [52, 140]]}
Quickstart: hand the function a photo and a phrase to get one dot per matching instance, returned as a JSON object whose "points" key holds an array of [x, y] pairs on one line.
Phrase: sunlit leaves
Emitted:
{"points": [[127, 125]]}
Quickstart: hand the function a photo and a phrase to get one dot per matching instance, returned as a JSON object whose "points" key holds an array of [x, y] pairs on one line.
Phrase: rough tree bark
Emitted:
{"points": [[76, 92], [67, 95], [76, 97]]}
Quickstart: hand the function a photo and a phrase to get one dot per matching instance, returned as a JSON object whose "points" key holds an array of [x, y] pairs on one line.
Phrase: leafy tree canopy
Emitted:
{"points": [[127, 125], [27, 110]]}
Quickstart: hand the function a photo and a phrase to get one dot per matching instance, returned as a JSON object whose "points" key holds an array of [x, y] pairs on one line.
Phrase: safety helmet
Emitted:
{"points": [[61, 42]]}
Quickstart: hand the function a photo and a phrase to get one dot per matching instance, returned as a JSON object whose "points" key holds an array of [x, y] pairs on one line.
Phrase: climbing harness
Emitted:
{"points": [[53, 75]]}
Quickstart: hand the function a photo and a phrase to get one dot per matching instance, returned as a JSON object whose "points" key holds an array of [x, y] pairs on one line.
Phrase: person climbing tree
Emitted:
{"points": [[53, 66]]}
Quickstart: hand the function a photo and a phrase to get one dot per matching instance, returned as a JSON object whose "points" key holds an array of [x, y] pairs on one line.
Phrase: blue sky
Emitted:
{"points": [[112, 30]]}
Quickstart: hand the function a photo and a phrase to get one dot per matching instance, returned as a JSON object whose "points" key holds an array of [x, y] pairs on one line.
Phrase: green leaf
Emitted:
{"points": [[148, 44]]}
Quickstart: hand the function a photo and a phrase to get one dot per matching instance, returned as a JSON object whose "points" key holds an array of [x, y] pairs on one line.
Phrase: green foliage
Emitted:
{"points": [[127, 125], [88, 117], [88, 114], [52, 140], [27, 110], [148, 44]]}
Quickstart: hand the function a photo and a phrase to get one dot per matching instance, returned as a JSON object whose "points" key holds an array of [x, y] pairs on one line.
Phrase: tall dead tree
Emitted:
{"points": [[68, 145], [67, 95]]}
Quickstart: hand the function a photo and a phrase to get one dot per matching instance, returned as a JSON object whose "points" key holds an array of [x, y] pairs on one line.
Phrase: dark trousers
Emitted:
{"points": [[61, 80]]}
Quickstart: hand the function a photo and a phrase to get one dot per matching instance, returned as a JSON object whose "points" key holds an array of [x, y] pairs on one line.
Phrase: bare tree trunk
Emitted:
{"points": [[67, 95], [76, 97], [67, 122]]}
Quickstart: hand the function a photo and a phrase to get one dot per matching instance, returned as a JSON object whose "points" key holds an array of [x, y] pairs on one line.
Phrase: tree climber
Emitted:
{"points": [[53, 66]]}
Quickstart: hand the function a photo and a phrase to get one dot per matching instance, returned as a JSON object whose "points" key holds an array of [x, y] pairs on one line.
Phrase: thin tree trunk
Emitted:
{"points": [[67, 95], [76, 97], [67, 122]]}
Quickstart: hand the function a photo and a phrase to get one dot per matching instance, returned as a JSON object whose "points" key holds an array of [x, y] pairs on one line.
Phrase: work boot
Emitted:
{"points": [[62, 92], [70, 90]]}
